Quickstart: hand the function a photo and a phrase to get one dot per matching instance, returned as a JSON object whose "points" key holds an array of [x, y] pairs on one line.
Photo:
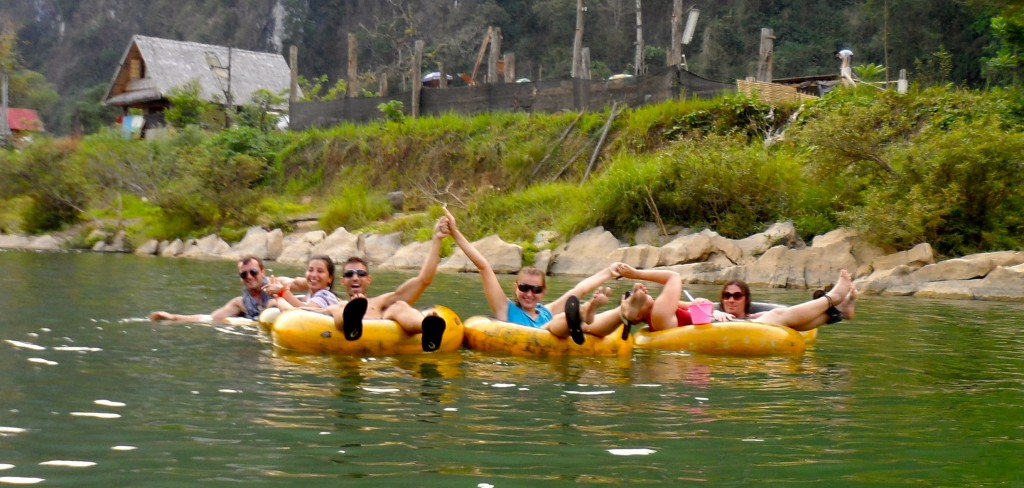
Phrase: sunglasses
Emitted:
{"points": [[537, 290], [733, 296], [252, 272], [356, 272]]}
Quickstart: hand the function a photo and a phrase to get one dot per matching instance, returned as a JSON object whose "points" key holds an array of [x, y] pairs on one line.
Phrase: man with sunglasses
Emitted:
{"points": [[253, 300], [396, 305]]}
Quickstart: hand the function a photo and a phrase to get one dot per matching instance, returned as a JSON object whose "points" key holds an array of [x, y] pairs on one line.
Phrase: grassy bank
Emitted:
{"points": [[937, 166]]}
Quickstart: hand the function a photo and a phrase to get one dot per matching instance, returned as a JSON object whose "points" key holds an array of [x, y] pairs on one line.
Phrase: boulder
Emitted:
{"points": [[949, 290], [44, 243], [585, 254], [542, 260], [410, 256], [1005, 283], [211, 246], [778, 234], [698, 247], [148, 248], [650, 234], [256, 242], [863, 252], [502, 256], [640, 256], [11, 241], [380, 247], [916, 257], [880, 281], [340, 246], [297, 247]]}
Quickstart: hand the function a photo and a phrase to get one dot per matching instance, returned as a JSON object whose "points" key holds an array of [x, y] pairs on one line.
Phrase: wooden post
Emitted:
{"points": [[577, 43], [480, 54], [510, 68], [443, 80], [638, 61], [293, 89], [417, 78], [764, 63], [585, 63], [353, 67], [492, 58], [382, 84], [675, 51]]}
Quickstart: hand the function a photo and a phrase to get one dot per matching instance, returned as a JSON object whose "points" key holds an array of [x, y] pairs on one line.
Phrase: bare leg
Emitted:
{"points": [[849, 304], [410, 319], [604, 323], [806, 316], [599, 299]]}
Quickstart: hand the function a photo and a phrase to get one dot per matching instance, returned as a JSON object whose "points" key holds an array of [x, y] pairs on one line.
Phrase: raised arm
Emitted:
{"points": [[496, 298], [411, 290], [585, 287]]}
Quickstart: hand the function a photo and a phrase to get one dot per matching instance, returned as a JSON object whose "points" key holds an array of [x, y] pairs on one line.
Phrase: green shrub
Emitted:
{"points": [[355, 206]]}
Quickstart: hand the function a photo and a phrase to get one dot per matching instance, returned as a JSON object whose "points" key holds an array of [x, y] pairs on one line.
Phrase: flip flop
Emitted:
{"points": [[433, 332], [572, 317], [352, 317]]}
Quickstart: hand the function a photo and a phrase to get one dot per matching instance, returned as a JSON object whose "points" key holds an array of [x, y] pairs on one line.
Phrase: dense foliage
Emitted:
{"points": [[68, 48], [938, 165]]}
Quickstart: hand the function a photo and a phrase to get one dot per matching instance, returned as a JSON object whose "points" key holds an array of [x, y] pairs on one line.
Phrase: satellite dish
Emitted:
{"points": [[691, 25]]}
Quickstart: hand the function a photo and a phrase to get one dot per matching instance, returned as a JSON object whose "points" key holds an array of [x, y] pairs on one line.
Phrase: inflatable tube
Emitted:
{"points": [[312, 332], [726, 338], [489, 335]]}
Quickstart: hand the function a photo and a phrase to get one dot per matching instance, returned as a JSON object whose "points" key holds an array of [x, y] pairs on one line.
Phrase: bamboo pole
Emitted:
{"points": [[600, 142]]}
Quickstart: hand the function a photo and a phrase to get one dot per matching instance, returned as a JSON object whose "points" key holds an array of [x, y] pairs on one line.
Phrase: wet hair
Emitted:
{"points": [[531, 271], [251, 257], [357, 259], [746, 295], [330, 268]]}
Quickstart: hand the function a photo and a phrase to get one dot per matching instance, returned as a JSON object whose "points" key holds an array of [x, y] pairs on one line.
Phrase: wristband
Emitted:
{"points": [[281, 293]]}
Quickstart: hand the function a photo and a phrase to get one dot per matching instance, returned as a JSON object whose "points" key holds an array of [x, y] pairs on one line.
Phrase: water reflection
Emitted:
{"points": [[914, 391]]}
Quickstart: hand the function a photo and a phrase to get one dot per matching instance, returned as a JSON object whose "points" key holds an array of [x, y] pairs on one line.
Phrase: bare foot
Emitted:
{"points": [[600, 298], [155, 316], [633, 304], [842, 287], [849, 304]]}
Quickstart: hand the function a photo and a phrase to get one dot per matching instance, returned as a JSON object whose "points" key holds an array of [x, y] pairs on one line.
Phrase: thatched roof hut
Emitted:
{"points": [[151, 67]]}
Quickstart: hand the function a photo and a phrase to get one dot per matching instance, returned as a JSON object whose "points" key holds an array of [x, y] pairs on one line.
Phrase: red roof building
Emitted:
{"points": [[22, 120]]}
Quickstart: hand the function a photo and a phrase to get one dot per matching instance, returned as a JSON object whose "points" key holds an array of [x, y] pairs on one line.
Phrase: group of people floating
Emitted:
{"points": [[565, 317]]}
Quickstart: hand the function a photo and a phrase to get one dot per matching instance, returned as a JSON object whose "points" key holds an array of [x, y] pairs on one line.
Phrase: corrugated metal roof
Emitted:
{"points": [[169, 64]]}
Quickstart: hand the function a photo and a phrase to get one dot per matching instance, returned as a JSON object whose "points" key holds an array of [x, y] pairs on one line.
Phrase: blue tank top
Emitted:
{"points": [[517, 315]]}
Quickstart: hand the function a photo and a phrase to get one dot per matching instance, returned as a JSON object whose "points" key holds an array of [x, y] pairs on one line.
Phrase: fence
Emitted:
{"points": [[542, 96]]}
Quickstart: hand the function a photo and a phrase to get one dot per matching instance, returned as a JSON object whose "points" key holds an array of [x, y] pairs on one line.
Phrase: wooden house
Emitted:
{"points": [[151, 68]]}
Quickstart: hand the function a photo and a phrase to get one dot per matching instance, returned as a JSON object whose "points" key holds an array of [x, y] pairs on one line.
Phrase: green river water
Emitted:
{"points": [[911, 393]]}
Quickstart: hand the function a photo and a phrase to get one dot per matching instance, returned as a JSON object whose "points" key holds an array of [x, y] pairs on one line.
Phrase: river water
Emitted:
{"points": [[913, 392]]}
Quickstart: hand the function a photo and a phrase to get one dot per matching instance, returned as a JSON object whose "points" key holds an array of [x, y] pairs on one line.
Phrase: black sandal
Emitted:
{"points": [[572, 317], [352, 317], [433, 332]]}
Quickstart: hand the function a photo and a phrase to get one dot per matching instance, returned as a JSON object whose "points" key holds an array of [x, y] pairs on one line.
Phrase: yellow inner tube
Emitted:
{"points": [[489, 335], [312, 332], [727, 338]]}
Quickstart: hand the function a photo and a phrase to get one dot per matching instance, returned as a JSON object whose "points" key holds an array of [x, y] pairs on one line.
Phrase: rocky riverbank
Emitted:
{"points": [[776, 257]]}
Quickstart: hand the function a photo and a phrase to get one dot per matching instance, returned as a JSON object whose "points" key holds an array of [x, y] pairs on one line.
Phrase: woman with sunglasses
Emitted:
{"points": [[563, 317], [840, 303], [667, 311], [319, 280]]}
